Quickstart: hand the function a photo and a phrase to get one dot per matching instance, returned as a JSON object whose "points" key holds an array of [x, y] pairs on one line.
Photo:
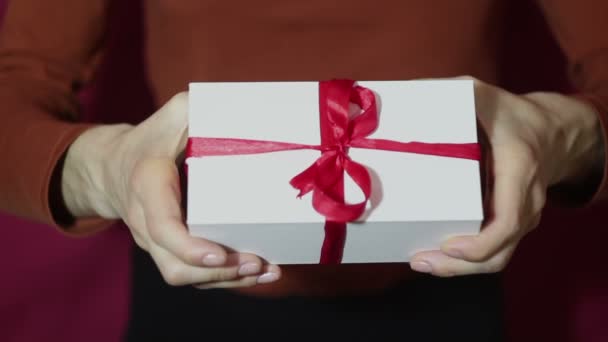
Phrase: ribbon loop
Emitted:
{"points": [[366, 122]]}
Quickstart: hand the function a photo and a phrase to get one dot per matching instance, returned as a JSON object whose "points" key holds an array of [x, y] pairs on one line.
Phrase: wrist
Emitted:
{"points": [[576, 145], [82, 179]]}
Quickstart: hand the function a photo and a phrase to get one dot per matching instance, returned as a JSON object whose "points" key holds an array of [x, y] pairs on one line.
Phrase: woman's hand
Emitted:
{"points": [[533, 142], [129, 173]]}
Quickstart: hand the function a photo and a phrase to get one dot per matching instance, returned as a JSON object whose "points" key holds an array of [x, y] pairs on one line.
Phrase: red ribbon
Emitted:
{"points": [[325, 177]]}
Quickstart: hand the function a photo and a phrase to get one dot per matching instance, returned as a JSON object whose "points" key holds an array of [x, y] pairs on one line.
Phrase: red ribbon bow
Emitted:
{"points": [[325, 177]]}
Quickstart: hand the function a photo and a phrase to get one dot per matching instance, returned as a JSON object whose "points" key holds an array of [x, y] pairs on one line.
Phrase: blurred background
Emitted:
{"points": [[55, 288]]}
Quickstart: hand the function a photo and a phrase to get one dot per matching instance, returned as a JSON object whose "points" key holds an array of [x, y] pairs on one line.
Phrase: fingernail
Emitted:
{"points": [[267, 278], [213, 260], [421, 266], [250, 268]]}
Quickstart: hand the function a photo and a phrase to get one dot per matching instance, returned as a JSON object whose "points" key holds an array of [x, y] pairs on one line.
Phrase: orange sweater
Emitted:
{"points": [[50, 49]]}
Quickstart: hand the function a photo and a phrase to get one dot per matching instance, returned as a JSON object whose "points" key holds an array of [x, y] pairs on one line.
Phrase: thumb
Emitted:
{"points": [[166, 131]]}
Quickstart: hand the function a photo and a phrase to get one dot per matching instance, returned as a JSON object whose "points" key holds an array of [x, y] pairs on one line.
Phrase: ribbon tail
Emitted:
{"points": [[305, 180]]}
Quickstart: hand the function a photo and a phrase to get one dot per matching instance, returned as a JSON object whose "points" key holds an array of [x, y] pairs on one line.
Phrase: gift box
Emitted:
{"points": [[334, 171]]}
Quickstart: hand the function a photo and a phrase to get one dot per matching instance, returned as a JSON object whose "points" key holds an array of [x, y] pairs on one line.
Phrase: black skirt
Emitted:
{"points": [[425, 309]]}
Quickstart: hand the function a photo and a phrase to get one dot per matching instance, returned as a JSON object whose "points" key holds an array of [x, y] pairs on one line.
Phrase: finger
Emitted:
{"points": [[159, 195], [442, 265], [271, 273], [509, 197], [241, 282], [177, 273]]}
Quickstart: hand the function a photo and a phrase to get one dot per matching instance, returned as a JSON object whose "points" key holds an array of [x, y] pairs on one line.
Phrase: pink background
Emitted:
{"points": [[59, 289]]}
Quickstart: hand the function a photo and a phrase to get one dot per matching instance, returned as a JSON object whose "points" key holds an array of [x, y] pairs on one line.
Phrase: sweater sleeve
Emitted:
{"points": [[48, 52], [580, 28]]}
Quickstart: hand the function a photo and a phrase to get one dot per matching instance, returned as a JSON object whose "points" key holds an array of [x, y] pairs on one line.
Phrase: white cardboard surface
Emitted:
{"points": [[246, 202]]}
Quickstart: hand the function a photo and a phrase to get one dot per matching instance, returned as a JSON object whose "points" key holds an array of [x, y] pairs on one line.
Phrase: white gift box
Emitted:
{"points": [[245, 202]]}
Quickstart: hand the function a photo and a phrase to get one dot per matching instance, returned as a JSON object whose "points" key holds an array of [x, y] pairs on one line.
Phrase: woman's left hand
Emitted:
{"points": [[534, 141]]}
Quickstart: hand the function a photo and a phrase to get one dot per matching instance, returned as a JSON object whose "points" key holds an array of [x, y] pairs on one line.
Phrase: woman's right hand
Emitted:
{"points": [[129, 172]]}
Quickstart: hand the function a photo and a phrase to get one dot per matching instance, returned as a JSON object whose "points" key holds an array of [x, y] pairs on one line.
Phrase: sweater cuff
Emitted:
{"points": [[52, 208], [594, 188]]}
